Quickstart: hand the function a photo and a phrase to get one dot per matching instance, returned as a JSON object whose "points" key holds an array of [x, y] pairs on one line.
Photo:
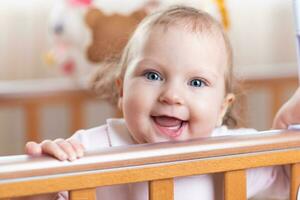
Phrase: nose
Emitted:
{"points": [[172, 95]]}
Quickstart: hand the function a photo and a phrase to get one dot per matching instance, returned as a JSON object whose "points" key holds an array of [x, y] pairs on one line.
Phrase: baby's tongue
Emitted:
{"points": [[167, 121]]}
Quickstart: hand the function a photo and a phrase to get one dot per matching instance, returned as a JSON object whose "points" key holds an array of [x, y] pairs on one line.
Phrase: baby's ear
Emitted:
{"points": [[228, 101], [119, 87]]}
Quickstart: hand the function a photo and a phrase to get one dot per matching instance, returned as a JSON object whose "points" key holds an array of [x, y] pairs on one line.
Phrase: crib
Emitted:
{"points": [[157, 164]]}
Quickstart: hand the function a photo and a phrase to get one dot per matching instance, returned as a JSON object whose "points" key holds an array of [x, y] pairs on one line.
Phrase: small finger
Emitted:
{"points": [[77, 146], [51, 148], [33, 148], [67, 148]]}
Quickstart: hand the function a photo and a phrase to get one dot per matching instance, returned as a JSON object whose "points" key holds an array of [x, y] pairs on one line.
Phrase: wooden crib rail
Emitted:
{"points": [[157, 163], [32, 95]]}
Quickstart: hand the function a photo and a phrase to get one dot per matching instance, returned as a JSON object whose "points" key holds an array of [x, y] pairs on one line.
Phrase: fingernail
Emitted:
{"points": [[62, 156], [80, 154], [72, 157]]}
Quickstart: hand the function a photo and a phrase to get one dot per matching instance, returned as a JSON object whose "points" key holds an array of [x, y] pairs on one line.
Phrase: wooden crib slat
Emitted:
{"points": [[277, 94], [161, 189], [235, 185], [294, 180], [32, 122], [84, 194], [76, 115]]}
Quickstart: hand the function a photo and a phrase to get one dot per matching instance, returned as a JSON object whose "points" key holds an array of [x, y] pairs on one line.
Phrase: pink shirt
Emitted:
{"points": [[266, 182]]}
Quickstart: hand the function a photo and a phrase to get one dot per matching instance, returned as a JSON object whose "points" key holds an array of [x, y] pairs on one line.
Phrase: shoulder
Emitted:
{"points": [[119, 135], [113, 133], [93, 138]]}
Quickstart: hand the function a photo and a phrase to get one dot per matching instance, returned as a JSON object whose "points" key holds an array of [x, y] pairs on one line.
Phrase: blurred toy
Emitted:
{"points": [[84, 33], [116, 30], [69, 36]]}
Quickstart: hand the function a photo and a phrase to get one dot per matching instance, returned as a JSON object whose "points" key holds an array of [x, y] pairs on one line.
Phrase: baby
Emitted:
{"points": [[174, 81]]}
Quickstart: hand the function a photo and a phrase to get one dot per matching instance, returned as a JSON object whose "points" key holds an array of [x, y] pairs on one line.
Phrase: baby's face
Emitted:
{"points": [[174, 88]]}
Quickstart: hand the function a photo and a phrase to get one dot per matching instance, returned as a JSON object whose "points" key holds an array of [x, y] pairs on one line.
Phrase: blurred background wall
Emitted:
{"points": [[262, 34]]}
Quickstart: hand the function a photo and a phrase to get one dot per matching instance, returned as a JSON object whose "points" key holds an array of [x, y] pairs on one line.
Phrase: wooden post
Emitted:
{"points": [[294, 180], [161, 189], [235, 185], [76, 115], [32, 120], [277, 93], [84, 194]]}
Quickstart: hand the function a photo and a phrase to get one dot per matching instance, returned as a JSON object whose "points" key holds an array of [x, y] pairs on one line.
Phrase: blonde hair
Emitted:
{"points": [[194, 20]]}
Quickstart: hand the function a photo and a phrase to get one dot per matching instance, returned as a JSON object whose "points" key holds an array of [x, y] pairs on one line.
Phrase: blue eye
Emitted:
{"points": [[197, 83], [153, 76]]}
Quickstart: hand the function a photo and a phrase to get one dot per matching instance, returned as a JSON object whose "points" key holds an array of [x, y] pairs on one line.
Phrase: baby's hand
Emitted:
{"points": [[69, 149], [289, 113]]}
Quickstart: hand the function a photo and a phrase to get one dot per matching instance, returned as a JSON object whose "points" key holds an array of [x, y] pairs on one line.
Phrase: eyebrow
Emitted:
{"points": [[146, 60], [206, 72]]}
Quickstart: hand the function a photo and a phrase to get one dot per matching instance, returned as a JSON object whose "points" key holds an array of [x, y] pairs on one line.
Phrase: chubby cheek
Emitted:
{"points": [[203, 125], [136, 99], [204, 118], [136, 104], [132, 116], [132, 105]]}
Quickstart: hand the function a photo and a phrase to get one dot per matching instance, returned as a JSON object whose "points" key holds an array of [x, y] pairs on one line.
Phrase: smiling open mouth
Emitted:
{"points": [[169, 126]]}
